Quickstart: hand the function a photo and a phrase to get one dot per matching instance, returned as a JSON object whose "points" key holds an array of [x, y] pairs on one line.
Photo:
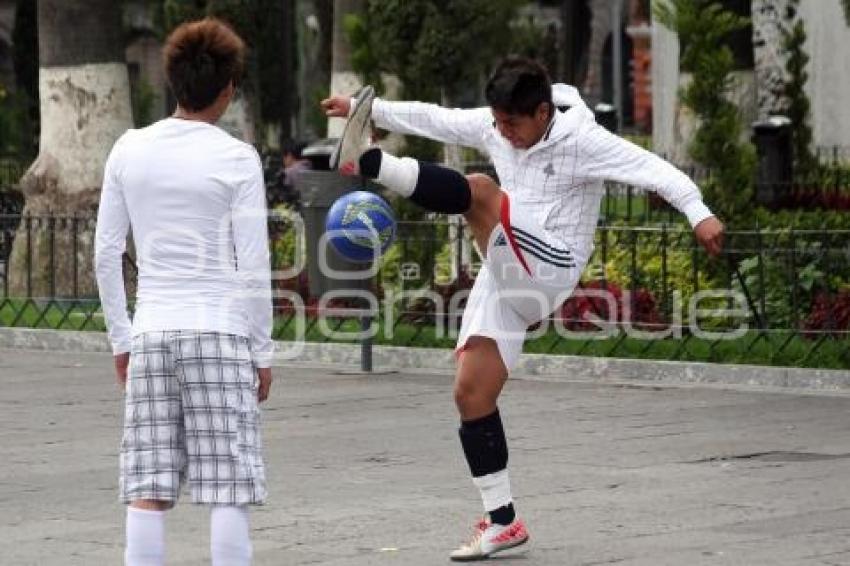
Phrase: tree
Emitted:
{"points": [[25, 42], [343, 76], [846, 5], [314, 28], [439, 50], [703, 26], [84, 98], [436, 47], [798, 105]]}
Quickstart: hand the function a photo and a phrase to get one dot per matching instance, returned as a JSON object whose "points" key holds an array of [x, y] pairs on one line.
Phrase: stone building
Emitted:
{"points": [[758, 84]]}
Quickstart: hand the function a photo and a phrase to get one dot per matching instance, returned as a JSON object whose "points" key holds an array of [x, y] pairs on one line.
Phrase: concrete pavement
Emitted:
{"points": [[368, 470]]}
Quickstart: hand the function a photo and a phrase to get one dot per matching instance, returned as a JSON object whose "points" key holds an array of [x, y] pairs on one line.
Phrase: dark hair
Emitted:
{"points": [[201, 59], [518, 86]]}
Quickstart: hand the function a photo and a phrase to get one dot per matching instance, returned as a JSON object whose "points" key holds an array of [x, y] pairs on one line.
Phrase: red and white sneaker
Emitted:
{"points": [[490, 538], [355, 137]]}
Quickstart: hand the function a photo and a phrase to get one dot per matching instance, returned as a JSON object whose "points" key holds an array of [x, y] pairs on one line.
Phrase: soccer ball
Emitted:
{"points": [[361, 226]]}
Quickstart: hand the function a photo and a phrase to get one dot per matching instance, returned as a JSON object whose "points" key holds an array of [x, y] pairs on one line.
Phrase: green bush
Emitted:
{"points": [[703, 27], [282, 236], [14, 123], [772, 277], [420, 243], [797, 101], [143, 98], [390, 270], [637, 262], [801, 219]]}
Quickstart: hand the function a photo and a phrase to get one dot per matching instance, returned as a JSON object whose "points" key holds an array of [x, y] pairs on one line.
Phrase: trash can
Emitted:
{"points": [[319, 188], [775, 171], [606, 116], [319, 153]]}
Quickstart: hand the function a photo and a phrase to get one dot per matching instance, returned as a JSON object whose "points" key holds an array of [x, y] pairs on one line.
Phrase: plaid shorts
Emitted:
{"points": [[191, 413]]}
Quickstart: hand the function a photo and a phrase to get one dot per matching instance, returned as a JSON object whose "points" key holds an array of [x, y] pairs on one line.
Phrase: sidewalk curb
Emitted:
{"points": [[549, 367]]}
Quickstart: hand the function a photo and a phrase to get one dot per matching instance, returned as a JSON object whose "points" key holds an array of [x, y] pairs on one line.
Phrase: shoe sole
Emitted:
{"points": [[363, 104], [490, 554]]}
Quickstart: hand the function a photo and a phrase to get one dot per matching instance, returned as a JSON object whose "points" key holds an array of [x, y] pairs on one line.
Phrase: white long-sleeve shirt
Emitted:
{"points": [[194, 199], [561, 177]]}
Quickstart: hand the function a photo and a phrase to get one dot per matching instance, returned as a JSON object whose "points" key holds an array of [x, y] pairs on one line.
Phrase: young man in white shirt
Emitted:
{"points": [[199, 347], [535, 233]]}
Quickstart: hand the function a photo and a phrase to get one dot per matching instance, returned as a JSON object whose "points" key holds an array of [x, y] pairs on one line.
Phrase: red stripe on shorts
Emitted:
{"points": [[506, 224]]}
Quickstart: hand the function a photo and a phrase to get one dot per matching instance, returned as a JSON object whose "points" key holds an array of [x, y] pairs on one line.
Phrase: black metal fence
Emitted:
{"points": [[783, 296], [53, 256], [773, 297]]}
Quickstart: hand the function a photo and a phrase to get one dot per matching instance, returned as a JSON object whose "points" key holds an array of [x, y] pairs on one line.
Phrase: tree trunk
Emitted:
{"points": [[287, 54], [314, 20], [84, 97], [769, 18], [7, 25], [343, 79], [568, 58]]}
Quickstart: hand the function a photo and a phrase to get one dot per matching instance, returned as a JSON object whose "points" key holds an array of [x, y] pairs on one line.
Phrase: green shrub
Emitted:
{"points": [[797, 101], [703, 27], [637, 261], [800, 219], [773, 278]]}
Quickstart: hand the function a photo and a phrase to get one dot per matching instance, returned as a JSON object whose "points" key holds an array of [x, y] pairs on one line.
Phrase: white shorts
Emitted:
{"points": [[525, 277]]}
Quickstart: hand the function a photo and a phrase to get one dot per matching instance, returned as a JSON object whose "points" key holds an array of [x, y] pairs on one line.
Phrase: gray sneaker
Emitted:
{"points": [[355, 137]]}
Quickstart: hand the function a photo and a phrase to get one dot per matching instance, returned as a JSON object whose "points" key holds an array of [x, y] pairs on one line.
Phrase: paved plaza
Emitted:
{"points": [[367, 470]]}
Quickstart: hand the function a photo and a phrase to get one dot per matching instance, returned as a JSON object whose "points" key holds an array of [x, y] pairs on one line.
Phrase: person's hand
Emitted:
{"points": [[709, 233], [265, 377], [337, 106], [122, 361]]}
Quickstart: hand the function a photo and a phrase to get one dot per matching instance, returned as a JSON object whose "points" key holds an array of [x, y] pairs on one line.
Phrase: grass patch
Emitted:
{"points": [[57, 314], [773, 348]]}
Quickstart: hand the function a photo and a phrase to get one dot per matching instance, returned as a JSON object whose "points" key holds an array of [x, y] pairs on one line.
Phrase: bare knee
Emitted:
{"points": [[474, 400], [484, 189], [480, 378], [484, 211], [464, 394]]}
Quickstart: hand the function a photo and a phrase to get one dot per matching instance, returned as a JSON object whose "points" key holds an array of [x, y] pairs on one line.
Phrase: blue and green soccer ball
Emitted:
{"points": [[361, 226]]}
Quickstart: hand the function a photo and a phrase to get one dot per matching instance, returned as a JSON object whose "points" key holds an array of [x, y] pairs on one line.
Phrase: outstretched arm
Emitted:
{"points": [[609, 157], [447, 125]]}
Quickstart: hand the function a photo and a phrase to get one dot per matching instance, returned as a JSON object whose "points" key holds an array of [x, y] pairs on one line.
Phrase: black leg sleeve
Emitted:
{"points": [[484, 445]]}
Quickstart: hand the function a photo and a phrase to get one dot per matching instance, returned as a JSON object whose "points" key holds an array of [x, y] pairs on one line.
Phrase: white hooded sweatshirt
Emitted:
{"points": [[561, 177]]}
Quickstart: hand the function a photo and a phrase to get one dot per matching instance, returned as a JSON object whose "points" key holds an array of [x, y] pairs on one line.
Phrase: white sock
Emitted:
{"points": [[230, 540], [398, 174], [495, 489], [145, 537]]}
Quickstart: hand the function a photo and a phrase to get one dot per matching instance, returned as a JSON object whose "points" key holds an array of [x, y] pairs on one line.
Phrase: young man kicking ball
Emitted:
{"points": [[535, 233], [199, 348]]}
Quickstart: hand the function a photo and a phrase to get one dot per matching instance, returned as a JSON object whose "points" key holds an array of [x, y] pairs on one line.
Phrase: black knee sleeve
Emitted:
{"points": [[370, 162], [484, 445], [440, 189]]}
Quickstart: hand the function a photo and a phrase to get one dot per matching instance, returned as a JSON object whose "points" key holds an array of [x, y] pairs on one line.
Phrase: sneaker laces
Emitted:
{"points": [[478, 532]]}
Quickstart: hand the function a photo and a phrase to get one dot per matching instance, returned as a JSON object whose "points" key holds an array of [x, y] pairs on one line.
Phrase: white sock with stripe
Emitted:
{"points": [[495, 489], [399, 174]]}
